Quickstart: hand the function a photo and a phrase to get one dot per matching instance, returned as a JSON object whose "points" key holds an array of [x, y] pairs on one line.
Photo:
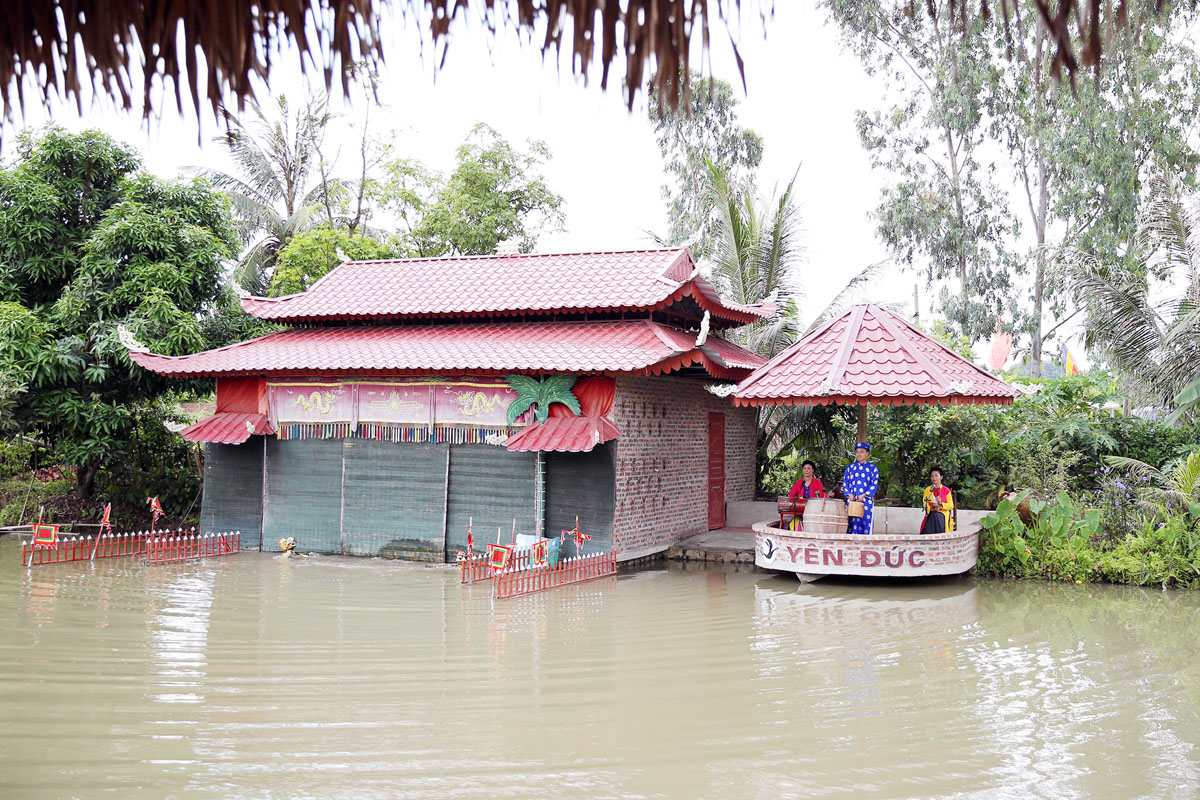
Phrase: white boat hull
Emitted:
{"points": [[884, 555]]}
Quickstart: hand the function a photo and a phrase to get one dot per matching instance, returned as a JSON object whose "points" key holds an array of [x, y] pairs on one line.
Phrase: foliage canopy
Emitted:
{"points": [[117, 248]]}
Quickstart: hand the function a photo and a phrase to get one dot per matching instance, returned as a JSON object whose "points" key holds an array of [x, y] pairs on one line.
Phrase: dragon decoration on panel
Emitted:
{"points": [[321, 401], [474, 403]]}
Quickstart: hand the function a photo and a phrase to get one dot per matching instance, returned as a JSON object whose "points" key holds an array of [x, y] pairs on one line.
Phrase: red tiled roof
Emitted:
{"points": [[564, 434], [630, 346], [511, 284], [227, 428], [870, 355]]}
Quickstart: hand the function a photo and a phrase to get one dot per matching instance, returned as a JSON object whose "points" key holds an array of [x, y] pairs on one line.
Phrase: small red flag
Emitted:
{"points": [[156, 508], [497, 555], [45, 535]]}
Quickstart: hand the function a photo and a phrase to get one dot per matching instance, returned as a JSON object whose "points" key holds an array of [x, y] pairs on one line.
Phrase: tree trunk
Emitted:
{"points": [[1035, 345], [86, 477], [1039, 278]]}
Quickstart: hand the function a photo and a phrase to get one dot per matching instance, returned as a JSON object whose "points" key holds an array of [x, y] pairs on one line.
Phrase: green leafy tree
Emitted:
{"points": [[944, 211], [123, 249], [495, 193], [705, 129], [968, 123], [1081, 153], [312, 254]]}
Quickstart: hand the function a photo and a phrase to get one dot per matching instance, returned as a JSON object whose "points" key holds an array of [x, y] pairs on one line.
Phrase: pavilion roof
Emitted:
{"points": [[511, 285], [870, 355], [634, 346]]}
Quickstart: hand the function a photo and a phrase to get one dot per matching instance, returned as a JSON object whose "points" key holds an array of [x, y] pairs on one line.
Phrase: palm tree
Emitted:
{"points": [[279, 188], [757, 250], [1177, 480], [1145, 319]]}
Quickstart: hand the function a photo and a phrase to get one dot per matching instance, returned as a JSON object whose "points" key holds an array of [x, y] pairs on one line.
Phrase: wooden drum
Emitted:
{"points": [[790, 507], [825, 516]]}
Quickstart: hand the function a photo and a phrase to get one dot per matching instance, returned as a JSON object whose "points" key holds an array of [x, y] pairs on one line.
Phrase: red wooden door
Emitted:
{"points": [[716, 470]]}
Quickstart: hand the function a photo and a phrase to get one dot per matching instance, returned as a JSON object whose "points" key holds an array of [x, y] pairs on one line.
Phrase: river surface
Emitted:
{"points": [[261, 677]]}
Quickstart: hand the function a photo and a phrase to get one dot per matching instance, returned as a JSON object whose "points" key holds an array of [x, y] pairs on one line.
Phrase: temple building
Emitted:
{"points": [[378, 421]]}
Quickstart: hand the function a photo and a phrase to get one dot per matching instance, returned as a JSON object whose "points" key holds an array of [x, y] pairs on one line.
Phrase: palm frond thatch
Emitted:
{"points": [[44, 44], [161, 39]]}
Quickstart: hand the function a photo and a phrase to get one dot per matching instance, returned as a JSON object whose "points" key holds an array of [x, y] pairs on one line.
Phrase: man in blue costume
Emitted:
{"points": [[860, 481]]}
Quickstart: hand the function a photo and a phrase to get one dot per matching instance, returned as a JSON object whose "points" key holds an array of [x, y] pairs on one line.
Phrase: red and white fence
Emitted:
{"points": [[476, 567], [173, 547], [513, 582], [86, 548]]}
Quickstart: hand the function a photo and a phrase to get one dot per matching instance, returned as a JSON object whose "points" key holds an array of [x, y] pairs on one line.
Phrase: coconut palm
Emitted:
{"points": [[1145, 318], [277, 189], [757, 252]]}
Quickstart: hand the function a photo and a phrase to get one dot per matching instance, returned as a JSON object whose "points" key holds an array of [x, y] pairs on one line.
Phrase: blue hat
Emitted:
{"points": [[864, 446]]}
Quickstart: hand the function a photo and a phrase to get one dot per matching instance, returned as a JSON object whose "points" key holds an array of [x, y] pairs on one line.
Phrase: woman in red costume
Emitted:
{"points": [[807, 487]]}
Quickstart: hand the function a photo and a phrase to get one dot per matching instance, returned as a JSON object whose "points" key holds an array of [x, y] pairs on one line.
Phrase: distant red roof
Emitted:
{"points": [[228, 428], [638, 346], [564, 434], [870, 355], [508, 285]]}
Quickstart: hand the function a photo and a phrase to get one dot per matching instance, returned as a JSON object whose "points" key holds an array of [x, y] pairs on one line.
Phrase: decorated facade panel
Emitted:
{"points": [[465, 410]]}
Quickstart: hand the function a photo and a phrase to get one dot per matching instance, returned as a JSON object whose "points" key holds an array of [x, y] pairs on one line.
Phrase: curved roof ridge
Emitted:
{"points": [[541, 283]]}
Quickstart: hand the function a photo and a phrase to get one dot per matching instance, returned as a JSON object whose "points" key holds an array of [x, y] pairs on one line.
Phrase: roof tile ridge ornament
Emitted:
{"points": [[833, 382], [129, 341], [884, 318], [702, 337]]}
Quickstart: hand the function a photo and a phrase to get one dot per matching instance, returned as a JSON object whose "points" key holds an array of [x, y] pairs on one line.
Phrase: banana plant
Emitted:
{"points": [[540, 394]]}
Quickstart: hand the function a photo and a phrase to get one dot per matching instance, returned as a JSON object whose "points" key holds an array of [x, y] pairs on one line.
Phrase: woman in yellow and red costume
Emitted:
{"points": [[938, 503]]}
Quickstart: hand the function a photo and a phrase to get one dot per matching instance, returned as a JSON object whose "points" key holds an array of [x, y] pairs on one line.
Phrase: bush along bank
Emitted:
{"points": [[1141, 527]]}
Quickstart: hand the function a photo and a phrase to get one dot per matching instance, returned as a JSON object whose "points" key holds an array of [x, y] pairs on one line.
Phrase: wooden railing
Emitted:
{"points": [[86, 548], [513, 582], [476, 567], [170, 547]]}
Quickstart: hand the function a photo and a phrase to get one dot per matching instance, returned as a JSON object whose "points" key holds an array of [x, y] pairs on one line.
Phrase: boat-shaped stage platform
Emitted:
{"points": [[895, 549]]}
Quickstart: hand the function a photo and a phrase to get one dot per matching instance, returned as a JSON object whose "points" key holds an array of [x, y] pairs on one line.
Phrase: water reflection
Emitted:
{"points": [[258, 676]]}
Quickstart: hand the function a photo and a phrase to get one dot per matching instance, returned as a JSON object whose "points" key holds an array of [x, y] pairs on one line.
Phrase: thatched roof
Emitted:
{"points": [[216, 46]]}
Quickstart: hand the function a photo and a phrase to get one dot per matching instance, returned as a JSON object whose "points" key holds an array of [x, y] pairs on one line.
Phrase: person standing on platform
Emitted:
{"points": [[938, 502], [860, 482]]}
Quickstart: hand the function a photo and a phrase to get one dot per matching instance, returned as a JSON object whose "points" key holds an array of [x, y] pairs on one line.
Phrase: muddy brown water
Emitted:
{"points": [[259, 677]]}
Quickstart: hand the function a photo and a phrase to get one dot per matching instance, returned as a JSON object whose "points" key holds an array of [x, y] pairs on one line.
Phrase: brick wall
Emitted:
{"points": [[662, 458]]}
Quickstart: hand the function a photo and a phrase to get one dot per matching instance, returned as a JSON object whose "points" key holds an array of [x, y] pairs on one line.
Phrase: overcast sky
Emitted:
{"points": [[800, 96]]}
